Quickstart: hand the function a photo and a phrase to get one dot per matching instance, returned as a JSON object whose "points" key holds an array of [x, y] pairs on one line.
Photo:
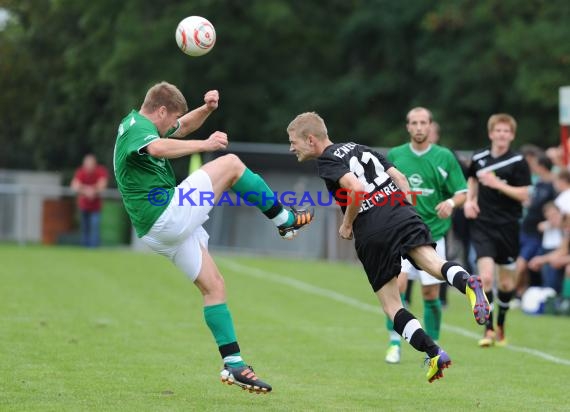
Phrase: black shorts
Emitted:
{"points": [[500, 242], [381, 254]]}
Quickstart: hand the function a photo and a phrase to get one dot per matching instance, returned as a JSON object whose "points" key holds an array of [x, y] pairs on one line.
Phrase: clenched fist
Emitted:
{"points": [[217, 141], [211, 98]]}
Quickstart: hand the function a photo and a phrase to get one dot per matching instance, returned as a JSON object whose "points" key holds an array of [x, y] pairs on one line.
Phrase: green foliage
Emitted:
{"points": [[497, 56], [71, 69]]}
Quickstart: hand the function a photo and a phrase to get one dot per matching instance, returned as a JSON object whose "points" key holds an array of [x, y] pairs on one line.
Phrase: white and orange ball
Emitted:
{"points": [[195, 36]]}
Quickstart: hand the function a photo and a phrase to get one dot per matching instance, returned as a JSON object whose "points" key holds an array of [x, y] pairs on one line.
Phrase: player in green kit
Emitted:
{"points": [[169, 217], [435, 174]]}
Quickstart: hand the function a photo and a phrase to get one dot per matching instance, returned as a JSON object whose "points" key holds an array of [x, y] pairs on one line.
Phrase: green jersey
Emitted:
{"points": [[138, 173], [436, 174]]}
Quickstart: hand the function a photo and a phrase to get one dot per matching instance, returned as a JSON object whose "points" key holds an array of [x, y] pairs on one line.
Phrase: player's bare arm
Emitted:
{"points": [[355, 191], [471, 208], [519, 193], [192, 120], [172, 149], [401, 181]]}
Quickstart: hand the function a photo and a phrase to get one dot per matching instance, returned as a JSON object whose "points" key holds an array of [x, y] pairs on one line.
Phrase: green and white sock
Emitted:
{"points": [[252, 188], [219, 320]]}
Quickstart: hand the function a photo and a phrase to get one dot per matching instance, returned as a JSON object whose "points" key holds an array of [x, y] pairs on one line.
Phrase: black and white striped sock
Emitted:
{"points": [[456, 275], [411, 330]]}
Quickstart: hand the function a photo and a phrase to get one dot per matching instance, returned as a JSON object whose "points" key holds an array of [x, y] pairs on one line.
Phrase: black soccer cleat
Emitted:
{"points": [[302, 218], [245, 378]]}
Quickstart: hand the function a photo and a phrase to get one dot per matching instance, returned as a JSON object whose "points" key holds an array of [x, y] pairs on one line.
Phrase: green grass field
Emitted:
{"points": [[113, 330]]}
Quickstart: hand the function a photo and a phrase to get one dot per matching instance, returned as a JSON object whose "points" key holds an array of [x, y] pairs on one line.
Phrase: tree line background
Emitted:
{"points": [[71, 69]]}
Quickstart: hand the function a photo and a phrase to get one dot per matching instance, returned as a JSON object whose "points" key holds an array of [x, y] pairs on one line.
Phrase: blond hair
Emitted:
{"points": [[309, 123], [502, 118], [167, 95], [419, 109]]}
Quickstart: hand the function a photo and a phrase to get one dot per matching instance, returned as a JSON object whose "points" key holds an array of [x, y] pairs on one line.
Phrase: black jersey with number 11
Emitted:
{"points": [[386, 206]]}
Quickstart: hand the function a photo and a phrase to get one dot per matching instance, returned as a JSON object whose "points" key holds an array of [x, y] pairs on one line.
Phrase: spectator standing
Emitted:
{"points": [[89, 181]]}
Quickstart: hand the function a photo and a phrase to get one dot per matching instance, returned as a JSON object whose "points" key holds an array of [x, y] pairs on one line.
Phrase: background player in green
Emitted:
{"points": [[170, 224], [434, 172]]}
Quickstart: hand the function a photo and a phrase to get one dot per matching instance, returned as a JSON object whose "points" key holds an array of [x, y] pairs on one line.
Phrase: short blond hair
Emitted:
{"points": [[167, 95], [419, 109], [308, 123], [502, 118]]}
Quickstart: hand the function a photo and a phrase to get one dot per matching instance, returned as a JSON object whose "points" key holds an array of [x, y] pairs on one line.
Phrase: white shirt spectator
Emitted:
{"points": [[551, 237], [562, 201]]}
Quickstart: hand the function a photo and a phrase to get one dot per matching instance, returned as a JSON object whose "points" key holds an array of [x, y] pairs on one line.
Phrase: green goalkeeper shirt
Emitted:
{"points": [[436, 174], [138, 173]]}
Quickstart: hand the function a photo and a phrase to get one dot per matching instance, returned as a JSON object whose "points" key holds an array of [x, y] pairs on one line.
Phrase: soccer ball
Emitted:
{"points": [[533, 300], [195, 36]]}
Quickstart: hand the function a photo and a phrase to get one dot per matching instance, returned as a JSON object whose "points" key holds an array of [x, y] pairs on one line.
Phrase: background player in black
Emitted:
{"points": [[385, 227], [499, 181]]}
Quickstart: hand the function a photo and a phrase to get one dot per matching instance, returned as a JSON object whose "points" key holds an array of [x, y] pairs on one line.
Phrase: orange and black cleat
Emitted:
{"points": [[302, 217], [245, 378]]}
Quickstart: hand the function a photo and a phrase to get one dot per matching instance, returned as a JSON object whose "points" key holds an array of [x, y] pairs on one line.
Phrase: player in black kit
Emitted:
{"points": [[499, 181], [375, 200]]}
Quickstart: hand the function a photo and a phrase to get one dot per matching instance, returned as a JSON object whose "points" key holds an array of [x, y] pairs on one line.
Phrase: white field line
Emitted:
{"points": [[339, 297]]}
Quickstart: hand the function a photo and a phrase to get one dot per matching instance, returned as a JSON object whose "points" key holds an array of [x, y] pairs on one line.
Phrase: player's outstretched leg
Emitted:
{"points": [[245, 378], [471, 286], [410, 329], [253, 189]]}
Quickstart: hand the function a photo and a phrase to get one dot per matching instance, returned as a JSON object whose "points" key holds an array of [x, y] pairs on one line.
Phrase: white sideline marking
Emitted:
{"points": [[339, 297], [543, 355]]}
